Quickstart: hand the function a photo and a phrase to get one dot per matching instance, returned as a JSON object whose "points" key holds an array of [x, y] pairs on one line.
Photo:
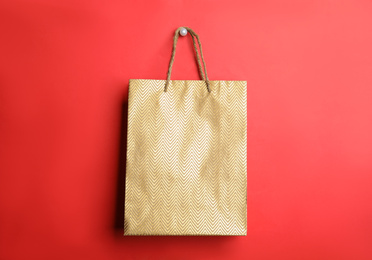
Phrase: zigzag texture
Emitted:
{"points": [[187, 158]]}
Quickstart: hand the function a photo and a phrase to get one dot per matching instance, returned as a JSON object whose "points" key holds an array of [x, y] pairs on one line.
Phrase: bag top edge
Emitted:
{"points": [[195, 80]]}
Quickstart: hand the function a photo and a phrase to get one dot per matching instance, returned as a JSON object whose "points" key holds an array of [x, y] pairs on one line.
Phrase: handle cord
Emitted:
{"points": [[193, 36]]}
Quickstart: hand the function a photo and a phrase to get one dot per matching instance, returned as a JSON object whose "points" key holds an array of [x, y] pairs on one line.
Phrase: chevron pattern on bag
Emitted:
{"points": [[186, 158]]}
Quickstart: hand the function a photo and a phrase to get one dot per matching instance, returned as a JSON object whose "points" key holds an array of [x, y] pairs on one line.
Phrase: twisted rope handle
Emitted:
{"points": [[193, 36]]}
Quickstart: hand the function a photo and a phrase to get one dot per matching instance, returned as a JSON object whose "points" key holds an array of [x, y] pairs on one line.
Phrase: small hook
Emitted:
{"points": [[183, 31]]}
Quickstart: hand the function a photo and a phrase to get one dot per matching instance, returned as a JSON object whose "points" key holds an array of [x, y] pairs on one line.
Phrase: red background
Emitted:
{"points": [[64, 74]]}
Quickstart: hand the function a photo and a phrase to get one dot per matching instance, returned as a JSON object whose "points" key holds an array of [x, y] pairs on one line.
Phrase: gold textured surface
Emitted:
{"points": [[186, 158]]}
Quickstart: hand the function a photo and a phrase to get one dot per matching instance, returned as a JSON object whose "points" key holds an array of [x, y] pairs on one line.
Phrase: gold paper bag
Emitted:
{"points": [[186, 156]]}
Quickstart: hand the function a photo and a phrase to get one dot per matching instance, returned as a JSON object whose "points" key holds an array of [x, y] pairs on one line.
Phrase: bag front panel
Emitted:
{"points": [[186, 158]]}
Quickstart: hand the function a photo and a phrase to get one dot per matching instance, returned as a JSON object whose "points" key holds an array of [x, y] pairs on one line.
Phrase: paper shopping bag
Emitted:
{"points": [[186, 155]]}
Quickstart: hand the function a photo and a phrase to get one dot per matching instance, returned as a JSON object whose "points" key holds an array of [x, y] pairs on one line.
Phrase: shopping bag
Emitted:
{"points": [[186, 171]]}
